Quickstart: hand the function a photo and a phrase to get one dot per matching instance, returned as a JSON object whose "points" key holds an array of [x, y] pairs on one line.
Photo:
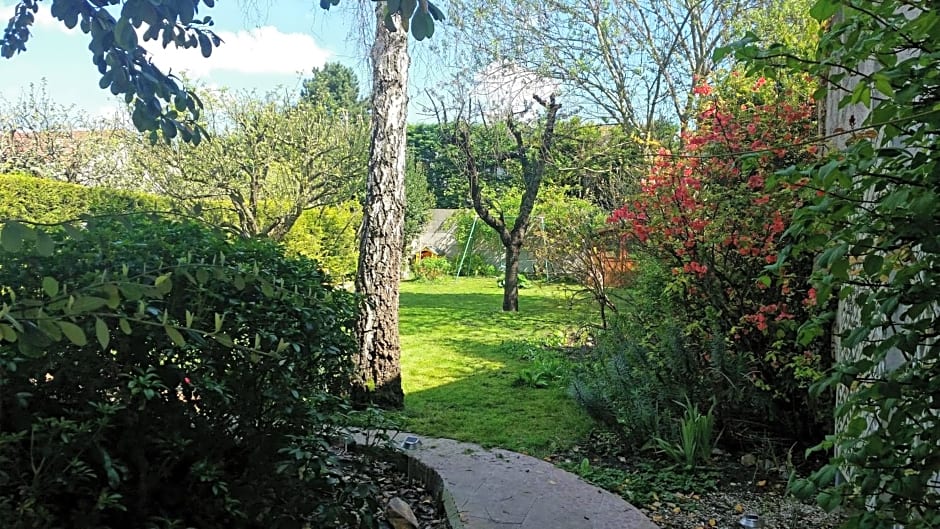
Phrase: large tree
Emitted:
{"points": [[532, 158], [378, 369], [378, 377], [334, 86], [269, 161]]}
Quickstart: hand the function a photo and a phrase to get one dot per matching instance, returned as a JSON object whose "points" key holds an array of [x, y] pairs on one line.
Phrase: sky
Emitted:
{"points": [[267, 44]]}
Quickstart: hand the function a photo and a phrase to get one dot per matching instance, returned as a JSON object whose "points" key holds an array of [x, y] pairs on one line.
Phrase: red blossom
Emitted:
{"points": [[702, 90], [810, 300]]}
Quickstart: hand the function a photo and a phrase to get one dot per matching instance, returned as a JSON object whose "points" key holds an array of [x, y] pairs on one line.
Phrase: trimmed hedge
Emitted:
{"points": [[326, 235], [44, 200]]}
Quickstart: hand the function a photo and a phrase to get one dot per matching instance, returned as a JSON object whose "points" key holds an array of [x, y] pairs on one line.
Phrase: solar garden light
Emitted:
{"points": [[411, 443], [750, 521]]}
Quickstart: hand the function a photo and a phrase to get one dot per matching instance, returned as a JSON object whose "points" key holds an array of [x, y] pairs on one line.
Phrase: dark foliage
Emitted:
{"points": [[206, 398]]}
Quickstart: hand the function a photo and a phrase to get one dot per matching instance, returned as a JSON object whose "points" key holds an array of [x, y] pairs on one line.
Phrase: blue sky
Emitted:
{"points": [[268, 43]]}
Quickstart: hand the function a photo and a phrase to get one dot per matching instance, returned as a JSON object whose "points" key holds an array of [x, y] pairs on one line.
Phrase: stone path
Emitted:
{"points": [[499, 489]]}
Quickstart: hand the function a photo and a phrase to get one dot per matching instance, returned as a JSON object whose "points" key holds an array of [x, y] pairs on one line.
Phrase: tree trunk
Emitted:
{"points": [[378, 368], [511, 280]]}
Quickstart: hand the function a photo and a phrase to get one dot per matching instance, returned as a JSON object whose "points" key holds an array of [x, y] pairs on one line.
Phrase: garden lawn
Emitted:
{"points": [[462, 356]]}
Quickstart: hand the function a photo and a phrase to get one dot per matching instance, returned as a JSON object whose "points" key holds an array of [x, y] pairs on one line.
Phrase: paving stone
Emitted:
{"points": [[499, 489]]}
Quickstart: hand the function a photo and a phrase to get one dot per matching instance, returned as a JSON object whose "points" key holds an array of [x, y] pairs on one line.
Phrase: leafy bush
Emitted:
{"points": [[418, 200], [432, 268], [644, 364], [625, 392], [523, 281], [648, 481], [873, 228], [716, 219], [481, 238], [156, 374], [548, 368], [328, 235]]}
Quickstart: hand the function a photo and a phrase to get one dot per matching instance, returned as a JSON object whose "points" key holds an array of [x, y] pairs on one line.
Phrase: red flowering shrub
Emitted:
{"points": [[713, 213]]}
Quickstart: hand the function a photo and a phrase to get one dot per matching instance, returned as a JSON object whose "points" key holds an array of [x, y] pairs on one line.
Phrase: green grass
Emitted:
{"points": [[461, 356]]}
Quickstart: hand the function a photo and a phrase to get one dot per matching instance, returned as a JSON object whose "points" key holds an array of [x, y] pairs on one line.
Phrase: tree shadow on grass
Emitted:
{"points": [[481, 402]]}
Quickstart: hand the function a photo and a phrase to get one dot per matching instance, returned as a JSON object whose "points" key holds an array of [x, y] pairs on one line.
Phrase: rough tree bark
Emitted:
{"points": [[378, 368], [533, 169]]}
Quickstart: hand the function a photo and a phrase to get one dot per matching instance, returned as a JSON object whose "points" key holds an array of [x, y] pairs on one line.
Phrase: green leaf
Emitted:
{"points": [[828, 500], [50, 286], [823, 9], [422, 25], [114, 480], [873, 264], [125, 326], [205, 45], [131, 291], [87, 304], [407, 9], [175, 335], [102, 333], [883, 84], [7, 332], [267, 289], [861, 94], [224, 339], [73, 332], [124, 34], [73, 232], [840, 268], [45, 246], [114, 295], [13, 235], [390, 24], [436, 12]]}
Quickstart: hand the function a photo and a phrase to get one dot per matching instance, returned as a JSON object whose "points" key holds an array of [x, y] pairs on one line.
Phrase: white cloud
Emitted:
{"points": [[264, 50]]}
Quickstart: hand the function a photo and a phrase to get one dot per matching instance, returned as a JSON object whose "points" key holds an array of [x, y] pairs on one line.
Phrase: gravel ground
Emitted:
{"points": [[736, 486], [724, 510]]}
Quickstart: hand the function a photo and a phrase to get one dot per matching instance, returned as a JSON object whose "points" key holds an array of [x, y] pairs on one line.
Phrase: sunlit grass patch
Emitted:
{"points": [[462, 356]]}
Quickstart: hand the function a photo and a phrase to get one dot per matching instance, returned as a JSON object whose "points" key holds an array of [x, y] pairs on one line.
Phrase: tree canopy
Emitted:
{"points": [[334, 86]]}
